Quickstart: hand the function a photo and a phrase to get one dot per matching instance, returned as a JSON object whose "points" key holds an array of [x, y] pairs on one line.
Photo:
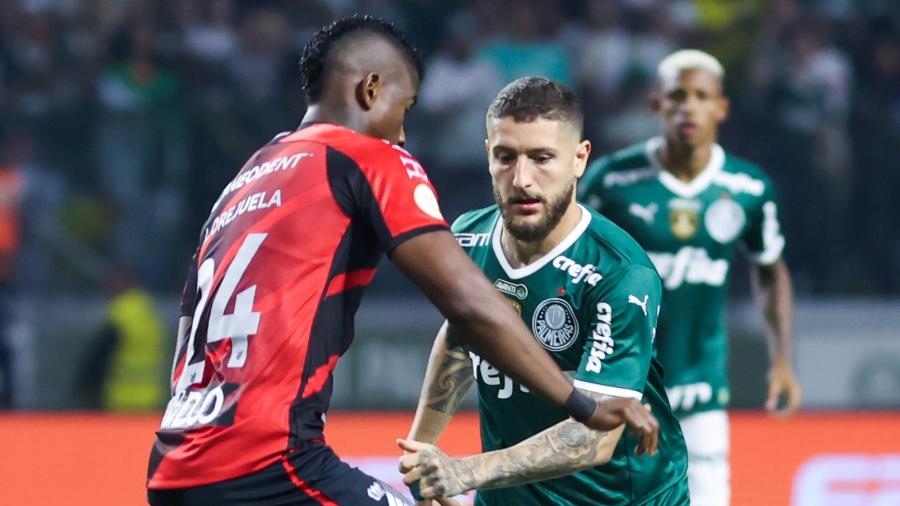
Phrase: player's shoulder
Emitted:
{"points": [[363, 149], [615, 247], [631, 157], [476, 221], [627, 165], [740, 175]]}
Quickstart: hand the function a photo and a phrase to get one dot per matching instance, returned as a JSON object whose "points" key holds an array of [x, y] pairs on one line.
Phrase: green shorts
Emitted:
{"points": [[676, 495]]}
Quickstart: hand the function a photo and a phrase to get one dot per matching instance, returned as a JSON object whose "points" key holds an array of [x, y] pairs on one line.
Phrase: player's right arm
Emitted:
{"points": [[447, 378], [487, 324], [397, 200], [184, 329], [188, 302]]}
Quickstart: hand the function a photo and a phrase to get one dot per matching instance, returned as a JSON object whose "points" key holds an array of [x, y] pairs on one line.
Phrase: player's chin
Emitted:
{"points": [[526, 221]]}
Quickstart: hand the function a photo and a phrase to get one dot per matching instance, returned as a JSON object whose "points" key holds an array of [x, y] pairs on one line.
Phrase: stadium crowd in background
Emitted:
{"points": [[180, 93], [123, 119]]}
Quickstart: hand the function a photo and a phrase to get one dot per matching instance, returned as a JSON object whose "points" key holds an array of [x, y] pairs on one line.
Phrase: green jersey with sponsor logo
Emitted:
{"points": [[592, 302], [691, 231]]}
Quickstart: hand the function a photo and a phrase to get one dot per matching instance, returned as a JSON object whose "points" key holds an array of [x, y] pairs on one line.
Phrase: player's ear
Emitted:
{"points": [[582, 153], [367, 90], [655, 101], [723, 109]]}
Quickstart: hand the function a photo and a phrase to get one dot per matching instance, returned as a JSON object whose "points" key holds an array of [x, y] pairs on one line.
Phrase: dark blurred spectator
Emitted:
{"points": [[142, 151], [208, 28], [11, 192], [257, 65], [629, 117], [456, 92], [524, 48], [621, 43], [876, 179], [145, 106]]}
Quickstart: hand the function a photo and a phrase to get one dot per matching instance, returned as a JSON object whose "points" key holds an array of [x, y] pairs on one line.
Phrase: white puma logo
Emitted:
{"points": [[646, 213], [638, 302]]}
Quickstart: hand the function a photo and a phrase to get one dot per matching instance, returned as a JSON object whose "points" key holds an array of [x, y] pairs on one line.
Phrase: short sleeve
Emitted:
{"points": [[619, 345], [762, 239], [388, 189]]}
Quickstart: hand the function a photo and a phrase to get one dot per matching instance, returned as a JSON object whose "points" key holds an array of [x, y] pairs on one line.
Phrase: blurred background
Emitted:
{"points": [[121, 121]]}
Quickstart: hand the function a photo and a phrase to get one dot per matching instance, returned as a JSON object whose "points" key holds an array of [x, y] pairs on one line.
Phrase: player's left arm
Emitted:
{"points": [[448, 377], [185, 321], [773, 294], [564, 448]]}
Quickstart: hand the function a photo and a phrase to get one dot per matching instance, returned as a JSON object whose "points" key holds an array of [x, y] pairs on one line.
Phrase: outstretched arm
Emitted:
{"points": [[447, 378], [773, 294], [440, 268], [559, 450]]}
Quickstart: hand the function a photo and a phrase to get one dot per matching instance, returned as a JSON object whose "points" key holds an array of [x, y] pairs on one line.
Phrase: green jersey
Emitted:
{"points": [[691, 231], [592, 302]]}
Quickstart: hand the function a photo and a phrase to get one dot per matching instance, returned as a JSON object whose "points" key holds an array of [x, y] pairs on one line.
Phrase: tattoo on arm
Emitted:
{"points": [[453, 379], [564, 448]]}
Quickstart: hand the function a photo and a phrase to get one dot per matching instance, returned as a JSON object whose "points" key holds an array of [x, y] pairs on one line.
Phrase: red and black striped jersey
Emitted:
{"points": [[273, 288]]}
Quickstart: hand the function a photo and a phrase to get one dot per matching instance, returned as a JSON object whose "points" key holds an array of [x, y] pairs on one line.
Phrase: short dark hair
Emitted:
{"points": [[319, 52], [530, 98]]}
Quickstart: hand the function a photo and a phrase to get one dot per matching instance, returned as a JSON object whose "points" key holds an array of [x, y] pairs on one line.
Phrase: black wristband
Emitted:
{"points": [[580, 406]]}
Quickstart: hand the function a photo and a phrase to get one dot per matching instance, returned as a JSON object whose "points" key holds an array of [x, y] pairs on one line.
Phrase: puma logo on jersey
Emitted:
{"points": [[689, 265], [637, 302], [646, 213]]}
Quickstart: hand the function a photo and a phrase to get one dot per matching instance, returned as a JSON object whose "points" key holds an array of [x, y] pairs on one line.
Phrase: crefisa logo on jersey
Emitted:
{"points": [[724, 219], [554, 324]]}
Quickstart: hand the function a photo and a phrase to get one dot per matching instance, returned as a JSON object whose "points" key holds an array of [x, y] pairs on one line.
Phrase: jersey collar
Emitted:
{"points": [[521, 272], [694, 186]]}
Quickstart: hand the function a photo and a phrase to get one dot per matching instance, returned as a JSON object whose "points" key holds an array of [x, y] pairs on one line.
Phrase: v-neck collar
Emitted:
{"points": [[695, 186], [527, 270]]}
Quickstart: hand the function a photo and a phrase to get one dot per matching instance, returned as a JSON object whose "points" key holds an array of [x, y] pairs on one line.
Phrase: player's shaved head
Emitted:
{"points": [[355, 45], [529, 98]]}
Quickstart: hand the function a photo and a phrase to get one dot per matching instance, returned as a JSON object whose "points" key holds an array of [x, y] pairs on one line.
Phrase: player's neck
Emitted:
{"points": [[683, 161], [323, 113], [521, 253]]}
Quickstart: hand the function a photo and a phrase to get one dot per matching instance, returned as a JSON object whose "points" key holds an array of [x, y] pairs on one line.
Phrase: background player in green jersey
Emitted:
{"points": [[690, 204], [591, 296]]}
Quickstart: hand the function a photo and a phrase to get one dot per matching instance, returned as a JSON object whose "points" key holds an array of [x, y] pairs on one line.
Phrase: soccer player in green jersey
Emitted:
{"points": [[591, 297], [691, 204]]}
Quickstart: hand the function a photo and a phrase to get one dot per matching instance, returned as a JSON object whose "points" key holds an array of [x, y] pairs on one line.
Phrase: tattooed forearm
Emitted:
{"points": [[452, 382], [564, 448]]}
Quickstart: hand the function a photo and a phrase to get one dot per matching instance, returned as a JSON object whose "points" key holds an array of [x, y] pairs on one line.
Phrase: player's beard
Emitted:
{"points": [[555, 207]]}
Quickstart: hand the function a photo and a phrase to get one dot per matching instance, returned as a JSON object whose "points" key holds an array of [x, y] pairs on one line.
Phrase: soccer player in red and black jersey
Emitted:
{"points": [[282, 263]]}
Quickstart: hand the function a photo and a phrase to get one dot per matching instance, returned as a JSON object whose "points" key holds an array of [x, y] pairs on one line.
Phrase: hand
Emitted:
{"points": [[783, 382], [614, 411], [438, 475]]}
